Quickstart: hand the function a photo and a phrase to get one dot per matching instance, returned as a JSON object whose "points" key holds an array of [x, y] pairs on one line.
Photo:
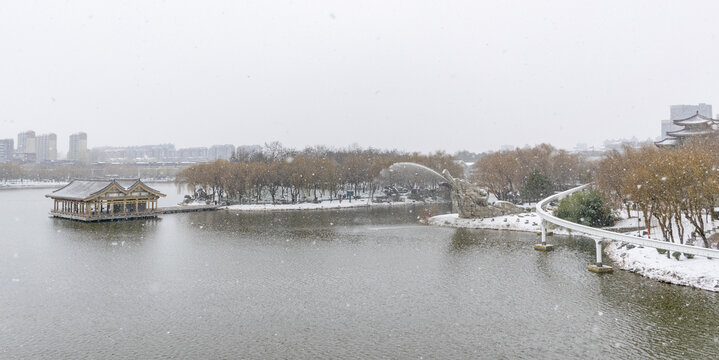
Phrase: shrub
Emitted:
{"points": [[586, 208]]}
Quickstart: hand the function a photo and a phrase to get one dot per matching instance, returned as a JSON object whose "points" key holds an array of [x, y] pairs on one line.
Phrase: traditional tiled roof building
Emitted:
{"points": [[695, 125], [97, 200]]}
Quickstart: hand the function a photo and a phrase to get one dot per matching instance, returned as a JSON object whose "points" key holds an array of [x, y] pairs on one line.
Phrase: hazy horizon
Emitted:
{"points": [[456, 75]]}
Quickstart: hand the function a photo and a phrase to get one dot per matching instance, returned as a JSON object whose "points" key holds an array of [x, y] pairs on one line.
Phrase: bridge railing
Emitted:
{"points": [[613, 236]]}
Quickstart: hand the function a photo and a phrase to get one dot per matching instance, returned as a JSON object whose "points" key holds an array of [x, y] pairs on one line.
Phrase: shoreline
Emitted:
{"points": [[324, 205], [32, 185], [54, 185], [524, 222], [697, 272]]}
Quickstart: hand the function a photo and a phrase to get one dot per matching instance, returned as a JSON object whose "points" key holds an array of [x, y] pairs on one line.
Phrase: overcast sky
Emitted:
{"points": [[411, 75]]}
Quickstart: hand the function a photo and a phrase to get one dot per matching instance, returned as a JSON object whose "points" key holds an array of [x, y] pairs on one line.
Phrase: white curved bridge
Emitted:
{"points": [[600, 235]]}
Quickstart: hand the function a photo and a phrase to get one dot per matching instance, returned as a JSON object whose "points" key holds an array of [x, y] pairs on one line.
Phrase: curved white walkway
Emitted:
{"points": [[600, 235]]}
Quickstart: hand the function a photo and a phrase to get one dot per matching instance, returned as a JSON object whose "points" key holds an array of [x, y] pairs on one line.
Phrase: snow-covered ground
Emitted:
{"points": [[334, 204], [528, 222], [697, 272], [31, 184]]}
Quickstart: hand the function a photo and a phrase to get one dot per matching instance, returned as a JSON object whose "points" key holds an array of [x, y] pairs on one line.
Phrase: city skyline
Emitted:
{"points": [[676, 112]]}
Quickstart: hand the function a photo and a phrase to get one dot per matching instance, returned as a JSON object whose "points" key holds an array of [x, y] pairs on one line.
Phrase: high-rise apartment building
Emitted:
{"points": [[196, 154], [678, 112], [78, 147], [46, 146], [220, 152], [26, 142], [7, 149]]}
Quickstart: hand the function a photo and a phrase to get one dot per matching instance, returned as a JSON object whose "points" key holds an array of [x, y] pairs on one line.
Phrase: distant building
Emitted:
{"points": [[78, 147], [246, 152], [7, 150], [26, 142], [579, 147], [46, 146], [216, 152], [695, 125], [667, 126], [679, 112], [143, 153], [196, 154]]}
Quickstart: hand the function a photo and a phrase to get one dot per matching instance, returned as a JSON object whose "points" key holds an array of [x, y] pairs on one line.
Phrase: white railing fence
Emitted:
{"points": [[600, 235]]}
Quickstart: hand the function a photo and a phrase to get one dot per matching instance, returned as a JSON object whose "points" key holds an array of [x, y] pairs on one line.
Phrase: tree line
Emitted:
{"points": [[530, 173], [280, 174], [667, 185]]}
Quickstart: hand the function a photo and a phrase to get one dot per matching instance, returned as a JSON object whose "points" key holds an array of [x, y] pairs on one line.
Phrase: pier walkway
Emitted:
{"points": [[187, 208]]}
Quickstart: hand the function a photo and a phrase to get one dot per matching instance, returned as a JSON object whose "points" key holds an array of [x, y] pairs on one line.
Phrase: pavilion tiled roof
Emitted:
{"points": [[670, 141], [695, 119], [690, 132], [81, 189]]}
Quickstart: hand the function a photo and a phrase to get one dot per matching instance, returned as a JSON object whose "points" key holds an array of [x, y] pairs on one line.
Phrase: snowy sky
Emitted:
{"points": [[412, 75]]}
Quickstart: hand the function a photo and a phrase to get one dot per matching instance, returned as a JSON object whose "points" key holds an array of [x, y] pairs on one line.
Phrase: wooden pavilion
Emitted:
{"points": [[101, 200]]}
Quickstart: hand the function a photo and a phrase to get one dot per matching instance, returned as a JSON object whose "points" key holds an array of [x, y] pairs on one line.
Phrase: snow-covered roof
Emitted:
{"points": [[690, 132], [666, 142], [695, 119], [82, 189]]}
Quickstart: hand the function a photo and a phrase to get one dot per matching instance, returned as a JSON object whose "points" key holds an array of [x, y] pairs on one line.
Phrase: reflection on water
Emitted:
{"points": [[360, 283]]}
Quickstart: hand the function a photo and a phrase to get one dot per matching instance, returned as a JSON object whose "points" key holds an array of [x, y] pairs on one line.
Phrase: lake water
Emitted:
{"points": [[355, 283]]}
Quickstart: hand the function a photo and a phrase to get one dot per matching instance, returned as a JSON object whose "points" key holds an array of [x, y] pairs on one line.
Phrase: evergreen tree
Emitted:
{"points": [[537, 186]]}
